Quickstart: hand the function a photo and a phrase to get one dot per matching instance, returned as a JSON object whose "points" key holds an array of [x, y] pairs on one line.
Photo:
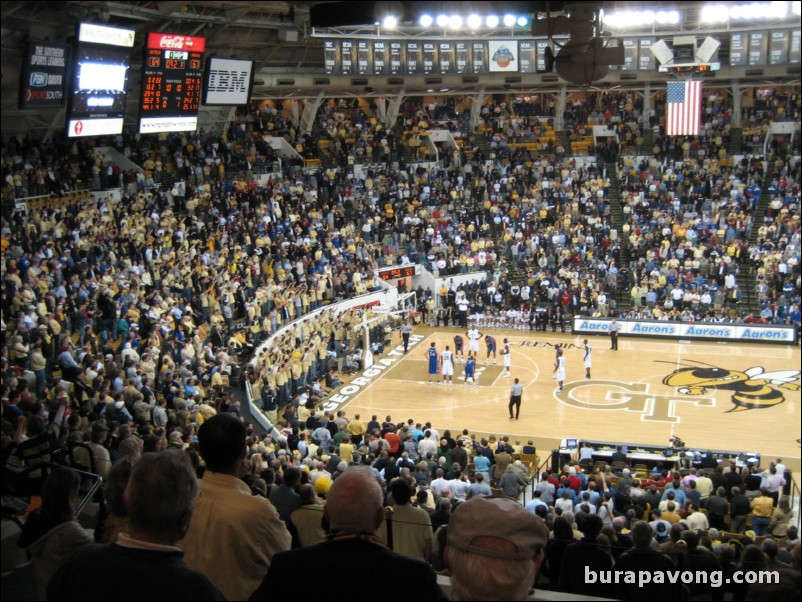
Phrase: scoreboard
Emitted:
{"points": [[172, 79], [404, 271]]}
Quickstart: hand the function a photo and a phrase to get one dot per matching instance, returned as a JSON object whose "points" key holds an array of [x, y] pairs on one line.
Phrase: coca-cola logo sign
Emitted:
{"points": [[176, 42]]}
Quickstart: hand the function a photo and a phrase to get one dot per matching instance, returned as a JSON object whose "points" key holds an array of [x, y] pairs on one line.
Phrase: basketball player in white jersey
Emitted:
{"points": [[559, 369], [447, 367], [587, 350], [505, 353], [473, 341]]}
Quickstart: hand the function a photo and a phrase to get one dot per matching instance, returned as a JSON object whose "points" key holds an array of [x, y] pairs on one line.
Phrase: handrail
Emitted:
{"points": [[795, 493], [253, 409], [536, 476]]}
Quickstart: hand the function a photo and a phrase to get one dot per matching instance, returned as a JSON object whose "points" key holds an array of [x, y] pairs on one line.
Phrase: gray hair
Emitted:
{"points": [[478, 577], [161, 494], [642, 535], [355, 501]]}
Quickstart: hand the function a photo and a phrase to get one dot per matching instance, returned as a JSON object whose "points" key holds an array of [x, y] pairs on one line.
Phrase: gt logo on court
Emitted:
{"points": [[630, 397]]}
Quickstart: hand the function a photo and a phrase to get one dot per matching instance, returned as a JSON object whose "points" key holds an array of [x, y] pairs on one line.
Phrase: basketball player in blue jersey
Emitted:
{"points": [[458, 348], [470, 370], [491, 348], [432, 354]]}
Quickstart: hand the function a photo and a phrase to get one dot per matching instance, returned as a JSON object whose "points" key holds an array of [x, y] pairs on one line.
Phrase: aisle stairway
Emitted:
{"points": [[648, 142], [760, 209], [565, 142], [480, 142], [736, 141], [623, 255], [747, 275], [747, 283], [323, 154]]}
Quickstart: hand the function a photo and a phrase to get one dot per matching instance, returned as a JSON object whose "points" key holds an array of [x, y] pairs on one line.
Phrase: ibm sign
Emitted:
{"points": [[228, 82], [698, 330]]}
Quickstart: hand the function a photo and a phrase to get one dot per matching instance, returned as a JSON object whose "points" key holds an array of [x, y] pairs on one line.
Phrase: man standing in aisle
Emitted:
{"points": [[587, 349], [615, 327], [515, 398]]}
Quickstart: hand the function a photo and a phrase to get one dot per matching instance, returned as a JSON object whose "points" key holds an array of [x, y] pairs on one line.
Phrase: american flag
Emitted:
{"points": [[683, 108]]}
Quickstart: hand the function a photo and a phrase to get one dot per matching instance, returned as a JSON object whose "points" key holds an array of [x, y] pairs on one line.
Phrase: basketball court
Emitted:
{"points": [[724, 396]]}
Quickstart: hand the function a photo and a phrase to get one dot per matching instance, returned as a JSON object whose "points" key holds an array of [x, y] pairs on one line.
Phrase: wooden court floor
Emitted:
{"points": [[724, 396]]}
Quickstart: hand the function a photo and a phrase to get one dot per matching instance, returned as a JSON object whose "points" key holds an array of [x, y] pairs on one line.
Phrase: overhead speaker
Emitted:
{"points": [[584, 63], [661, 52], [708, 48]]}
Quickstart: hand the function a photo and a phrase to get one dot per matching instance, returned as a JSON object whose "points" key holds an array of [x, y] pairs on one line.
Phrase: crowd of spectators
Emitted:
{"points": [[168, 271], [124, 320], [353, 135], [33, 168], [704, 518], [688, 235], [622, 112]]}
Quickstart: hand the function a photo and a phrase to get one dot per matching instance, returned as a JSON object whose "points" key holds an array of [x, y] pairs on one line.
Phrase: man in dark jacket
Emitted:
{"points": [[143, 564], [584, 556], [642, 558], [355, 510]]}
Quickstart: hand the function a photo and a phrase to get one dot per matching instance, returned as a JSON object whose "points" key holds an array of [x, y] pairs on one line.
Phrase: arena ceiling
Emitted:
{"points": [[278, 36], [273, 34], [245, 29]]}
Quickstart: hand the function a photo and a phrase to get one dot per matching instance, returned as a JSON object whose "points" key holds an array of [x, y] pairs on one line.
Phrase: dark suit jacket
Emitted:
{"points": [[619, 457], [577, 557], [364, 564]]}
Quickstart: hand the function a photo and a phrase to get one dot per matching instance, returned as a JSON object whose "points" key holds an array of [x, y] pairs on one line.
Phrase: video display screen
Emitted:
{"points": [[100, 80]]}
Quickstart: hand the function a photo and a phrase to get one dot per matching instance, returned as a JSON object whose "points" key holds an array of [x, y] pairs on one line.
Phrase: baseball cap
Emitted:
{"points": [[322, 485], [499, 518]]}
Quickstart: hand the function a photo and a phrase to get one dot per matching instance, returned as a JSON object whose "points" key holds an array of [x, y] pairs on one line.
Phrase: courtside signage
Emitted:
{"points": [[695, 330]]}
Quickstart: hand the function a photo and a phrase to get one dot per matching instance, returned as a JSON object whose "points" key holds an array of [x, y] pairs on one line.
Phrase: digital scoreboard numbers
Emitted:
{"points": [[172, 80], [406, 271]]}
